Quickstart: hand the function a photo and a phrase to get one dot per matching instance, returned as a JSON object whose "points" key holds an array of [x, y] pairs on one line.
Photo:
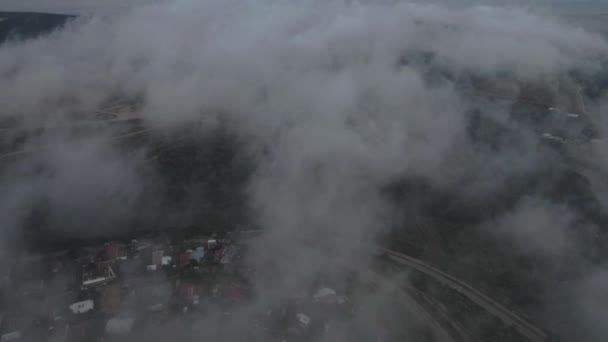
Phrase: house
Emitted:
{"points": [[91, 279], [185, 257], [198, 254], [112, 251], [189, 294], [119, 325], [111, 298], [229, 254], [219, 254], [82, 306], [325, 295], [186, 290]]}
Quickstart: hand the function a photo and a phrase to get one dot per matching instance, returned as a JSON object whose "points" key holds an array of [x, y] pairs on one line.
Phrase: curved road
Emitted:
{"points": [[524, 327]]}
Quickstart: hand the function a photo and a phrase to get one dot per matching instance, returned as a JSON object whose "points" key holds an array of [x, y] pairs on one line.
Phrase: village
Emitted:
{"points": [[112, 291]]}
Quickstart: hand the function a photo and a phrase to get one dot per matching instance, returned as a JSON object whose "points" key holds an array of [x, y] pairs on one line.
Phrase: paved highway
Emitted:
{"points": [[509, 317], [524, 327]]}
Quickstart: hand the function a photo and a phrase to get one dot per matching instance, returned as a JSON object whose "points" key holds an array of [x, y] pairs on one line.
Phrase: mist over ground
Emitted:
{"points": [[339, 121]]}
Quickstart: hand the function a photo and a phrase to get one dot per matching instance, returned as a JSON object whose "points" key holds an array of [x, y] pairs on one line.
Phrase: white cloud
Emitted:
{"points": [[317, 90]]}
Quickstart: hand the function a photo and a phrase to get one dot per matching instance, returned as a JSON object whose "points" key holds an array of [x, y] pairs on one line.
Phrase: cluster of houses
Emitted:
{"points": [[114, 290], [97, 292]]}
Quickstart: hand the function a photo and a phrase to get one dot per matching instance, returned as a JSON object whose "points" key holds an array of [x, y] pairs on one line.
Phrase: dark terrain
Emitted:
{"points": [[16, 26]]}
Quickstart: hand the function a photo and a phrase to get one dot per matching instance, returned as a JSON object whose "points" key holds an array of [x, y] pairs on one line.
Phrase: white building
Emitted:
{"points": [[82, 307], [107, 277]]}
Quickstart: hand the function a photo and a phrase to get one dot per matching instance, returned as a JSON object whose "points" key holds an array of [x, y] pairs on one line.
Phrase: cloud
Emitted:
{"points": [[539, 227], [334, 100], [77, 188]]}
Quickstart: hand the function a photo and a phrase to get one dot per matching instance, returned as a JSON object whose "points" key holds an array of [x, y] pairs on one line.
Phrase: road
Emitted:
{"points": [[42, 148], [508, 317], [78, 123], [524, 327]]}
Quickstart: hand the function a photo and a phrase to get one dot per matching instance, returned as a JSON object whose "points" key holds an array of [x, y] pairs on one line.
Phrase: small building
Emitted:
{"points": [[119, 325], [325, 295], [114, 251], [185, 257], [90, 280], [82, 306], [186, 290], [230, 253], [218, 254], [111, 298], [198, 254]]}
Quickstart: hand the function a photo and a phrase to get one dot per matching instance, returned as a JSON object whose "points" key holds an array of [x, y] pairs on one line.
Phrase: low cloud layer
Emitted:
{"points": [[335, 101]]}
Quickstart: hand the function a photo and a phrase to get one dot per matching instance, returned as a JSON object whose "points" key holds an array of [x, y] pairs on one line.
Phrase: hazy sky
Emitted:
{"points": [[69, 6], [78, 6]]}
